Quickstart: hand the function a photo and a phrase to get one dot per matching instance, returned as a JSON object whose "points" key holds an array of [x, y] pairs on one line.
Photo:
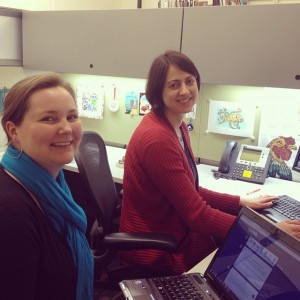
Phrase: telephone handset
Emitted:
{"points": [[248, 163], [227, 156]]}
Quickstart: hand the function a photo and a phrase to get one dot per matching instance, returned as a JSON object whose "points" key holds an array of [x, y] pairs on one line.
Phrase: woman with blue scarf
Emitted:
{"points": [[43, 250]]}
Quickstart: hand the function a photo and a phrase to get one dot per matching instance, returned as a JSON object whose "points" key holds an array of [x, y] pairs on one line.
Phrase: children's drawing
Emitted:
{"points": [[231, 118], [90, 101], [234, 119]]}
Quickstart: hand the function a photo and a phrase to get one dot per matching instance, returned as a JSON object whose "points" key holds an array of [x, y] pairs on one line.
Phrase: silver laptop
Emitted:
{"points": [[256, 261]]}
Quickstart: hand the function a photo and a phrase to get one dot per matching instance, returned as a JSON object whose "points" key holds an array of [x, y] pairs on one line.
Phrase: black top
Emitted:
{"points": [[35, 260]]}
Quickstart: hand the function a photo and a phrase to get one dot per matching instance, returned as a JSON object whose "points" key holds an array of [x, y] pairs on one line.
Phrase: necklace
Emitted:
{"points": [[179, 137]]}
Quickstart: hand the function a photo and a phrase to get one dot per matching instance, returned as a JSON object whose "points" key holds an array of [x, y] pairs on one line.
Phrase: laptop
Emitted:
{"points": [[256, 261]]}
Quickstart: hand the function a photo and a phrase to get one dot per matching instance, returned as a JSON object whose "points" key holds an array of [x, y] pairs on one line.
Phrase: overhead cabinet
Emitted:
{"points": [[104, 42], [255, 45]]}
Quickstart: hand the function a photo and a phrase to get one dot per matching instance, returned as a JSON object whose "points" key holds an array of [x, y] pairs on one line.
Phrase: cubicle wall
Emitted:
{"points": [[208, 146], [119, 126]]}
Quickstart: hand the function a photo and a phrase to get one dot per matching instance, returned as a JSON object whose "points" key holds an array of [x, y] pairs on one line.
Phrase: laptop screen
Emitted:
{"points": [[256, 261]]}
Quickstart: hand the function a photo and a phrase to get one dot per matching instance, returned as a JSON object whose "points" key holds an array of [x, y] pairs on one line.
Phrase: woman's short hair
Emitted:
{"points": [[158, 72], [16, 100]]}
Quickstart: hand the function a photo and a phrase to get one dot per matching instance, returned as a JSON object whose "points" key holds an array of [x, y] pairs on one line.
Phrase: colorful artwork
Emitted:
{"points": [[131, 103], [144, 105], [234, 119], [281, 152], [90, 101], [231, 118]]}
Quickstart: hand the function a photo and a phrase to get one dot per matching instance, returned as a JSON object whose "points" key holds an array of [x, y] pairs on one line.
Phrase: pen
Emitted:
{"points": [[252, 192]]}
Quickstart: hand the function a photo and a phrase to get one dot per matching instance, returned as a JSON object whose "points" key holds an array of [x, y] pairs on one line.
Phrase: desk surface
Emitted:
{"points": [[271, 186], [114, 154]]}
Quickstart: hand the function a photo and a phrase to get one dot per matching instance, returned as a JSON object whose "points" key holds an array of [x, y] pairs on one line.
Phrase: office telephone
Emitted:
{"points": [[248, 163]]}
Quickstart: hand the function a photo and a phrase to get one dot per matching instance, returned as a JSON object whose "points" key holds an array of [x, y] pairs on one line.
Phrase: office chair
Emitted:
{"points": [[105, 240]]}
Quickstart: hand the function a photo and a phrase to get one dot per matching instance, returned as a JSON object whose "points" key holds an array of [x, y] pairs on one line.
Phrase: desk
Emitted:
{"points": [[272, 186], [114, 154]]}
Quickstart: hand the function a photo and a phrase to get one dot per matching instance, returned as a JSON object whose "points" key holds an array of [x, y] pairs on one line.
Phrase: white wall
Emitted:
{"points": [[28, 4], [102, 4], [93, 4], [76, 4]]}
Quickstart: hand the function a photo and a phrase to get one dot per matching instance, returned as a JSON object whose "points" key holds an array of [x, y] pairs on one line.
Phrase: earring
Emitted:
{"points": [[11, 150]]}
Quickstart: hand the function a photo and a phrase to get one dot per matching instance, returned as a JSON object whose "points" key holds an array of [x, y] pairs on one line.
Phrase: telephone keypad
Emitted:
{"points": [[254, 174]]}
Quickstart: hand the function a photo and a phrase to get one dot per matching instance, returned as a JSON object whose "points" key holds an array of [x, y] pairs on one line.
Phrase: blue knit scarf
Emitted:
{"points": [[57, 202]]}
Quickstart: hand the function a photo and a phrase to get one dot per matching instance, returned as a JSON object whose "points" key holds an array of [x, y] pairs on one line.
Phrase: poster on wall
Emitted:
{"points": [[90, 101], [231, 118], [279, 130]]}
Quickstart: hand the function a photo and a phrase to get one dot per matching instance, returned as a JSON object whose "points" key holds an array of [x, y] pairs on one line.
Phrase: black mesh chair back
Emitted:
{"points": [[95, 174], [105, 240]]}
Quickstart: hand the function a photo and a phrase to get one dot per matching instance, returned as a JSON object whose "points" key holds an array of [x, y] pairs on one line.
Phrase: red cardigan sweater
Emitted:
{"points": [[160, 196]]}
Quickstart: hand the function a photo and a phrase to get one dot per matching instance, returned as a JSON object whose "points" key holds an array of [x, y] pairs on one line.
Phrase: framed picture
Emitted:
{"points": [[144, 105]]}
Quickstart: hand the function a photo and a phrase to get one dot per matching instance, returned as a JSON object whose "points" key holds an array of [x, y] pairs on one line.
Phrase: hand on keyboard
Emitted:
{"points": [[261, 202], [288, 206], [292, 227]]}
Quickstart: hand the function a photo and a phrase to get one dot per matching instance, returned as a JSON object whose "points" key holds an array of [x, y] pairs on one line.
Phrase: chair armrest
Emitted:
{"points": [[140, 240]]}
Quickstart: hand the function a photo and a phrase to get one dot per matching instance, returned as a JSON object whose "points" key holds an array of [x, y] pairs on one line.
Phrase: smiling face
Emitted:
{"points": [[50, 131], [180, 93]]}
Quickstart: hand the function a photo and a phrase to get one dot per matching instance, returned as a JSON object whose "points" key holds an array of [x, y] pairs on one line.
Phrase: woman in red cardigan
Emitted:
{"points": [[161, 189]]}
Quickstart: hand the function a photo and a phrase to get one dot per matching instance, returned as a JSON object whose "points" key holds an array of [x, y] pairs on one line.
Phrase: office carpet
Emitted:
{"points": [[107, 294], [105, 289]]}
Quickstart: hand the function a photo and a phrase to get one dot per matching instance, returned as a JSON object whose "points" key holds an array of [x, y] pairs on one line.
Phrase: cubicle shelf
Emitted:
{"points": [[120, 43]]}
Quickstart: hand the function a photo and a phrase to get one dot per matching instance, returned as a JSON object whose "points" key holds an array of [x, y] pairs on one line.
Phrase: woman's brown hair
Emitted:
{"points": [[16, 100], [158, 73]]}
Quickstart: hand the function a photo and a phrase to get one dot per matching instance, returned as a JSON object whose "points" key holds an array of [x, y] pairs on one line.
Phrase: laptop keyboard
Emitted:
{"points": [[288, 206], [177, 287]]}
